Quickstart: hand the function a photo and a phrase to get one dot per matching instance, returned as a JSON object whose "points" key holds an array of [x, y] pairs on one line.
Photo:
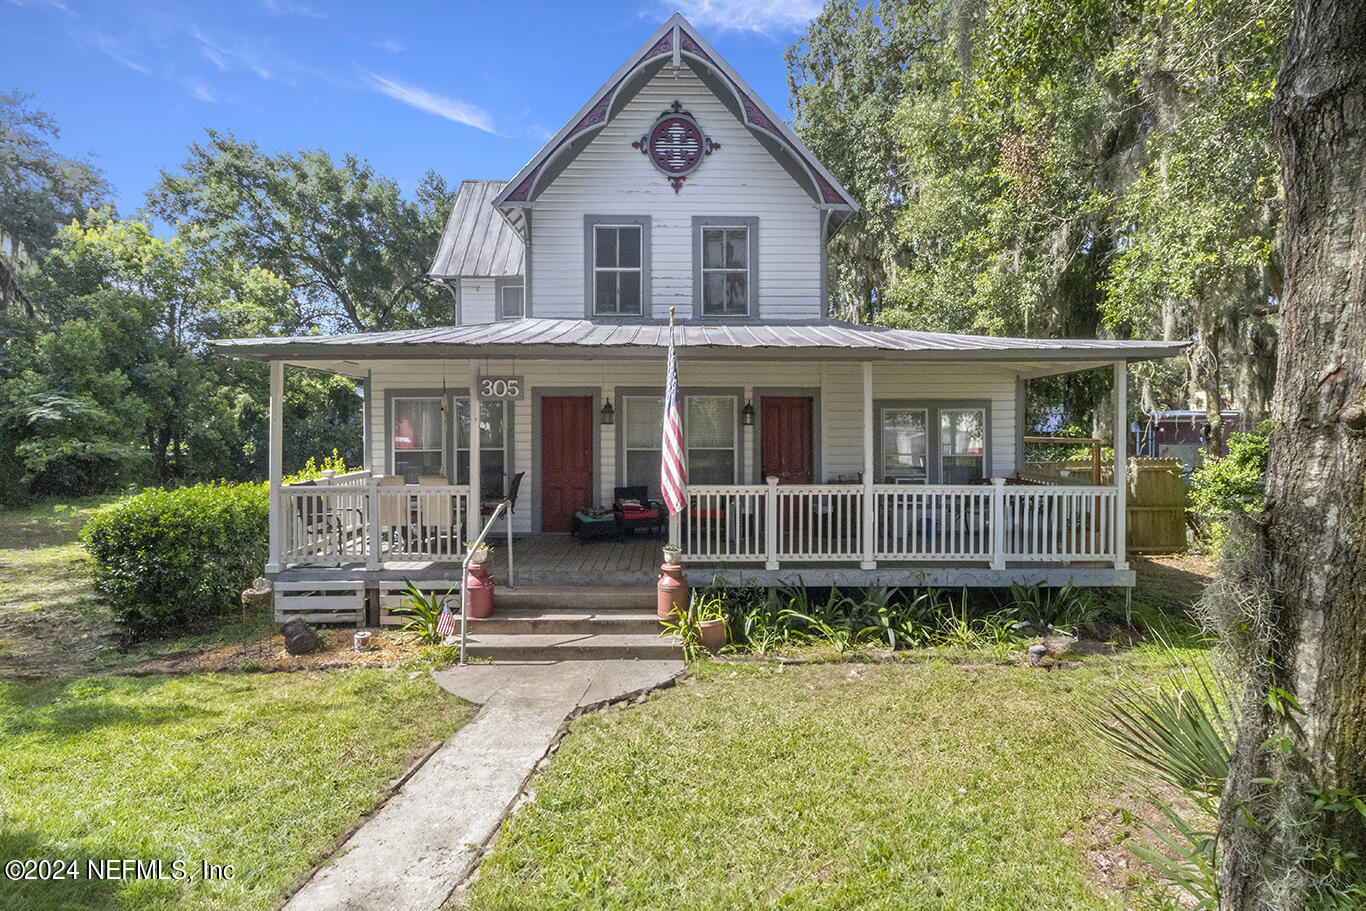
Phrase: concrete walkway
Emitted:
{"points": [[427, 838]]}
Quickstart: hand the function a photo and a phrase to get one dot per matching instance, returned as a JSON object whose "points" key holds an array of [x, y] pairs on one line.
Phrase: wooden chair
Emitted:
{"points": [[487, 507], [436, 513], [394, 511]]}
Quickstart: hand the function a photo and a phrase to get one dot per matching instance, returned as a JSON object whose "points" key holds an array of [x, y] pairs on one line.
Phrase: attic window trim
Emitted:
{"points": [[751, 224]]}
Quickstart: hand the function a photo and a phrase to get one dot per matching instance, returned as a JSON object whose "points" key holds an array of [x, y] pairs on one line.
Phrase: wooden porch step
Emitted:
{"points": [[579, 597], [570, 647], [569, 620]]}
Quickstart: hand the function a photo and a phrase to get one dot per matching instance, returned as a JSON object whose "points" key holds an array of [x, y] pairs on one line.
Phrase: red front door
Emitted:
{"points": [[786, 440], [566, 459]]}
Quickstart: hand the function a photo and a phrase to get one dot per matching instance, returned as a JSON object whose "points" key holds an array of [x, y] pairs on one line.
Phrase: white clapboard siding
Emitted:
{"points": [[841, 404], [476, 301], [740, 179]]}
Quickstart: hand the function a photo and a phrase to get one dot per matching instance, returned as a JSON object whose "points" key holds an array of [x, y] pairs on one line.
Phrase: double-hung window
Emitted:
{"points": [[725, 271], [642, 437], [709, 435], [618, 278], [418, 436], [493, 447]]}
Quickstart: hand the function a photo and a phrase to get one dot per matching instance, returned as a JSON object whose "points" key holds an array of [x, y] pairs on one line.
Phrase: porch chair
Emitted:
{"points": [[634, 510], [487, 507]]}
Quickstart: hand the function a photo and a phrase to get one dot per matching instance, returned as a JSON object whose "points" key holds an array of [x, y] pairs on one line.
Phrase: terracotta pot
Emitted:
{"points": [[712, 633]]}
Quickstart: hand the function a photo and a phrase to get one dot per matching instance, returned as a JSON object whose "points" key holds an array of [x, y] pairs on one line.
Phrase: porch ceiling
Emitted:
{"points": [[561, 339]]}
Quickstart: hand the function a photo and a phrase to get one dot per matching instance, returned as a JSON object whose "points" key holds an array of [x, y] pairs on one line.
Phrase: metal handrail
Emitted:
{"points": [[465, 570]]}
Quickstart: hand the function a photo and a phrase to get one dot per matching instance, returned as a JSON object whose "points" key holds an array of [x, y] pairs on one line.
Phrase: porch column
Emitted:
{"points": [[1121, 478], [473, 521], [275, 464], [869, 502]]}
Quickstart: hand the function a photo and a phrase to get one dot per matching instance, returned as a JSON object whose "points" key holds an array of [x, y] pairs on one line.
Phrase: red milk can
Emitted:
{"points": [[672, 592], [479, 591]]}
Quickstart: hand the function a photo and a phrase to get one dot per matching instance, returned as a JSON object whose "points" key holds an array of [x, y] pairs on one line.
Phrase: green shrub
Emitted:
{"points": [[168, 558], [1232, 482]]}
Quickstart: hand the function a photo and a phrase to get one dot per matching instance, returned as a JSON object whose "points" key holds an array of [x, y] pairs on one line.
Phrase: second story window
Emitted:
{"points": [[617, 270], [510, 302], [725, 271]]}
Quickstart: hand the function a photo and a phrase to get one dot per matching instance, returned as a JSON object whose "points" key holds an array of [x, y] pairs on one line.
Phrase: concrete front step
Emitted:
{"points": [[576, 597], [560, 647], [566, 621]]}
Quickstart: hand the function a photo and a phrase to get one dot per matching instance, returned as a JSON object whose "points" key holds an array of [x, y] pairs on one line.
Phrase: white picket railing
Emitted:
{"points": [[726, 523], [423, 522], [967, 523], [323, 526], [941, 522], [820, 522], [353, 518], [1047, 524]]}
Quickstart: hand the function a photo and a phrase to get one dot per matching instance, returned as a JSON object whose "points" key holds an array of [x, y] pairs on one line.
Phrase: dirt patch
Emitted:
{"points": [[387, 648]]}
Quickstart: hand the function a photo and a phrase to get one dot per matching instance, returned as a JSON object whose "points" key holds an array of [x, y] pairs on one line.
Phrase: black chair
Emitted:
{"points": [[488, 506]]}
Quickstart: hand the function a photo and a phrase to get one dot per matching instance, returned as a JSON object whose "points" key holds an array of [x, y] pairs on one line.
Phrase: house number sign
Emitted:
{"points": [[500, 387]]}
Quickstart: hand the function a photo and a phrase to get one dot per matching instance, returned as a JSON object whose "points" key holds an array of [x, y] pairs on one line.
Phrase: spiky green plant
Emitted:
{"points": [[423, 613]]}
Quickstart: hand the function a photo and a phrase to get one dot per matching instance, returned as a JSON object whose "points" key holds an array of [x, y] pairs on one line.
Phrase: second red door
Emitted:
{"points": [[785, 438]]}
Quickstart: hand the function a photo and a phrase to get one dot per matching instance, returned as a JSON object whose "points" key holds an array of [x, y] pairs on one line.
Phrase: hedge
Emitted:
{"points": [[169, 558]]}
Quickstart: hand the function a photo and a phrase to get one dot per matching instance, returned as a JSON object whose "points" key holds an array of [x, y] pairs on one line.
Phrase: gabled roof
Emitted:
{"points": [[677, 44], [477, 242], [568, 338]]}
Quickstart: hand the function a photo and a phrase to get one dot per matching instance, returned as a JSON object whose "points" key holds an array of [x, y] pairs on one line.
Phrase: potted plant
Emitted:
{"points": [[709, 615], [480, 553], [673, 555]]}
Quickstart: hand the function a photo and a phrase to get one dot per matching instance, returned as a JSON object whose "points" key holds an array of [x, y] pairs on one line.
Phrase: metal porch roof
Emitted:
{"points": [[582, 338]]}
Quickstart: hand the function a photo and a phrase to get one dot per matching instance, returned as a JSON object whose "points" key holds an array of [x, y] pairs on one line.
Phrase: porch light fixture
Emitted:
{"points": [[609, 414], [747, 414]]}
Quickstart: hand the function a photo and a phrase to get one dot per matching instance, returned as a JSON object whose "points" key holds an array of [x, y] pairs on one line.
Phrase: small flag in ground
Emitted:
{"points": [[673, 478], [445, 624]]}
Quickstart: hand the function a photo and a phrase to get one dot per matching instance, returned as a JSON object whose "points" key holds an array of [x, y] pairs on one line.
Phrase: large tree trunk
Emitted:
{"points": [[1314, 529]]}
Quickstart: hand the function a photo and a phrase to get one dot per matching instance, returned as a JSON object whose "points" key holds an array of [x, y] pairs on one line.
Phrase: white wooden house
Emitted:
{"points": [[816, 449]]}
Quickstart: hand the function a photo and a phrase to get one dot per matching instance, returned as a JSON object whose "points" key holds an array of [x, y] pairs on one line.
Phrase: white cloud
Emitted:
{"points": [[227, 54], [423, 100], [390, 45], [199, 91], [762, 16], [289, 8], [115, 51]]}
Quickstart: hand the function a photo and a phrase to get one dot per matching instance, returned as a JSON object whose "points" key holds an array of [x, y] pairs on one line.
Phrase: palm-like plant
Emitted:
{"points": [[424, 613]]}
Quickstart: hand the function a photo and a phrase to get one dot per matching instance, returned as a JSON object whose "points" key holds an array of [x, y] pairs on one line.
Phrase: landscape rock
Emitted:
{"points": [[299, 639]]}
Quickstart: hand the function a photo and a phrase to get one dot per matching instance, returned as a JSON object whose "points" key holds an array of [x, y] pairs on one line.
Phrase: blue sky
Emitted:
{"points": [[471, 90]]}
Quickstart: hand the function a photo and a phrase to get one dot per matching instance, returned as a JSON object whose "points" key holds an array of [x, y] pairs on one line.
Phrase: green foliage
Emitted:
{"points": [[1055, 170], [312, 470], [167, 558], [1232, 483], [1067, 609], [423, 613], [353, 251]]}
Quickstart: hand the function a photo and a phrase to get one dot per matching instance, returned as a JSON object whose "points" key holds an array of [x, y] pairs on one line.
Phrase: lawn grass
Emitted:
{"points": [[261, 771], [50, 619], [929, 784]]}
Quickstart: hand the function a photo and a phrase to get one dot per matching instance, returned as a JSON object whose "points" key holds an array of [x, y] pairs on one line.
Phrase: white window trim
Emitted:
{"points": [[590, 238], [733, 448], [507, 285], [725, 270], [751, 224], [626, 447], [393, 434], [506, 448]]}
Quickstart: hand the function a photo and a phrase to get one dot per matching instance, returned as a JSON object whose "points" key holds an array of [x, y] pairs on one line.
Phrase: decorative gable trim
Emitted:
{"points": [[678, 39]]}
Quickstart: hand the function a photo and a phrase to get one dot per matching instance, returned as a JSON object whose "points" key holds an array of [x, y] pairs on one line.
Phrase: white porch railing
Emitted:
{"points": [[969, 523], [353, 518]]}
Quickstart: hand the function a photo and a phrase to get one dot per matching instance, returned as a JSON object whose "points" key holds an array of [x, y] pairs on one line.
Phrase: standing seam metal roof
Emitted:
{"points": [[477, 242]]}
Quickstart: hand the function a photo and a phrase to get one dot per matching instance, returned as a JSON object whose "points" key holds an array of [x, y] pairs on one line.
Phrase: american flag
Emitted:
{"points": [[445, 624], [673, 476]]}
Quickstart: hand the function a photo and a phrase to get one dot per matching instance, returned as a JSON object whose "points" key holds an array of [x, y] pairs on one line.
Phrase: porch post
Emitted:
{"points": [[275, 464], [472, 518], [771, 523], [1121, 478], [869, 502]]}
